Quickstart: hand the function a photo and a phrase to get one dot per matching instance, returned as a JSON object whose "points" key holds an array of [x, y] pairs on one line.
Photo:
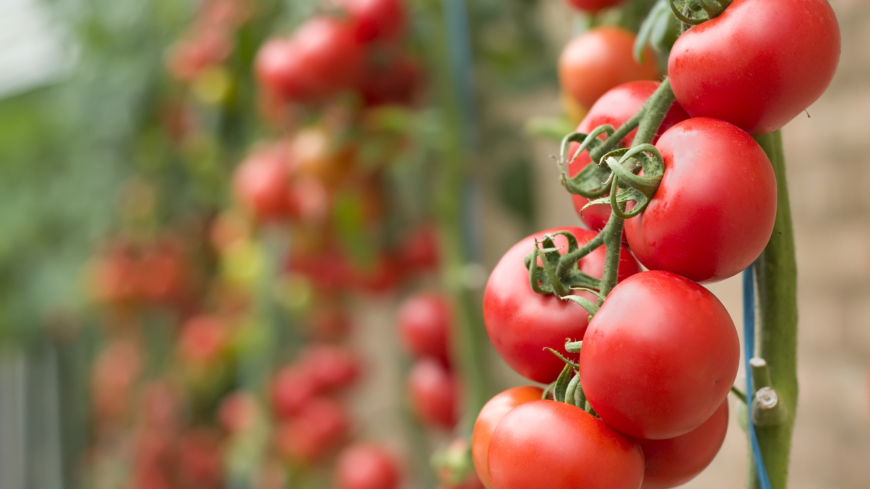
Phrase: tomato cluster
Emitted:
{"points": [[640, 363]]}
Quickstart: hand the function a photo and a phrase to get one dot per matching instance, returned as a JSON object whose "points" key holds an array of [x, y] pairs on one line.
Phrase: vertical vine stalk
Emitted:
{"points": [[776, 278]]}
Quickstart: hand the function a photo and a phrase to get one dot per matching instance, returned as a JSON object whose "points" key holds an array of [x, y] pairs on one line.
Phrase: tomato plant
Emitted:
{"points": [[673, 462], [615, 108], [559, 446], [521, 323], [692, 226], [670, 347], [598, 60], [434, 394], [366, 466], [759, 64], [488, 419]]}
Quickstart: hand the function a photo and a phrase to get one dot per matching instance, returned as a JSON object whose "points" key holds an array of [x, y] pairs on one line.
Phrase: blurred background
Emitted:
{"points": [[157, 322]]}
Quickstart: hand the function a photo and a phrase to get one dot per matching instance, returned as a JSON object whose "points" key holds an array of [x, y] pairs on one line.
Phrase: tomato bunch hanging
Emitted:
{"points": [[638, 364]]}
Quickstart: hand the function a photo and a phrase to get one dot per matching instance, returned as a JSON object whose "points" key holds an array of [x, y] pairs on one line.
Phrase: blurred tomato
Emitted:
{"points": [[418, 250], [319, 427], [375, 20], [331, 367], [434, 394], [396, 81], [261, 183], [202, 340], [200, 461], [237, 411], [291, 388], [424, 326], [367, 466]]}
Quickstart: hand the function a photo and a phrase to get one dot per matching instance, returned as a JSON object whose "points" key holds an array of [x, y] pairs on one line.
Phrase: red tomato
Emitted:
{"points": [[673, 462], [376, 20], [424, 326], [331, 367], [692, 226], [434, 394], [261, 183], [593, 6], [615, 107], [383, 277], [396, 82], [366, 466], [202, 340], [319, 428], [598, 60], [418, 250], [330, 322], [321, 59], [237, 412], [488, 419], [291, 388], [521, 323], [659, 357], [200, 464], [759, 64], [558, 446]]}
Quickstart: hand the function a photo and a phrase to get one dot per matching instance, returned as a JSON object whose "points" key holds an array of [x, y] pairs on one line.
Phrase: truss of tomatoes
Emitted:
{"points": [[646, 406]]}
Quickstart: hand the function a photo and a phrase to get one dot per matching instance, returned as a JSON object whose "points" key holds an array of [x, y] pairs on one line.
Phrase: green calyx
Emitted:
{"points": [[557, 273], [626, 185], [694, 12]]}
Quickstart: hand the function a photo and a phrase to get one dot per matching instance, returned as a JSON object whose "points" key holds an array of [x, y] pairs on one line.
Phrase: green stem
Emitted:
{"points": [[776, 276], [654, 111]]}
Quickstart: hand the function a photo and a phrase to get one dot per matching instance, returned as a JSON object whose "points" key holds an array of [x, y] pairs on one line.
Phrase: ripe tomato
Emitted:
{"points": [[598, 60], [198, 463], [202, 340], [488, 419], [615, 107], [673, 462], [237, 411], [659, 357], [418, 250], [331, 367], [521, 323], [261, 184], [319, 428], [434, 394], [395, 82], [321, 59], [424, 326], [692, 226], [593, 6], [366, 466], [558, 446], [291, 388], [759, 64], [375, 20]]}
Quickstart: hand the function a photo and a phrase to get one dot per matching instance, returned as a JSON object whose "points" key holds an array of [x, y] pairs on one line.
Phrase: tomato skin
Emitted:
{"points": [[261, 184], [674, 462], [424, 326], [376, 20], [593, 6], [558, 446], [659, 357], [521, 323], [489, 417], [759, 64], [600, 59], [321, 59], [330, 366], [434, 394], [692, 226], [367, 466], [615, 108]]}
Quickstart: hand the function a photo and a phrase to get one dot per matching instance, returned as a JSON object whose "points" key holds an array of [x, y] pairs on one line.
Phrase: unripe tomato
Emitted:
{"points": [[558, 446], [488, 419], [598, 60], [759, 64], [659, 357], [615, 108], [261, 184], [521, 323], [714, 210], [366, 466], [424, 326], [434, 394], [673, 462], [375, 20], [593, 6]]}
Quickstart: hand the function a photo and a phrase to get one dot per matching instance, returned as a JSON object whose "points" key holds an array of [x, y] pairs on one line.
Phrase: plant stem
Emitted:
{"points": [[776, 276], [654, 111]]}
